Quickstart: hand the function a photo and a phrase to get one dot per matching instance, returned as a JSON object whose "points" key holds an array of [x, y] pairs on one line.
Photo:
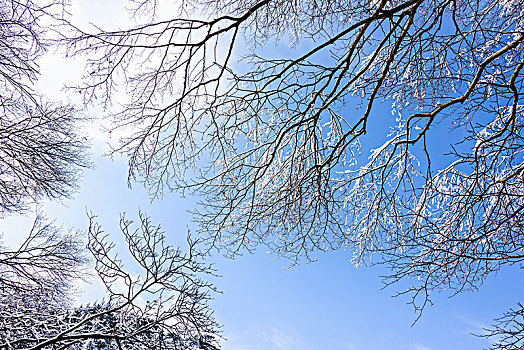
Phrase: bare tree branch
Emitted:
{"points": [[41, 152], [163, 306], [278, 146]]}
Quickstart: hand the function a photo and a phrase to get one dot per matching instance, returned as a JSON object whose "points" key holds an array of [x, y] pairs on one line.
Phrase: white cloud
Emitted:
{"points": [[474, 326], [420, 347], [281, 339]]}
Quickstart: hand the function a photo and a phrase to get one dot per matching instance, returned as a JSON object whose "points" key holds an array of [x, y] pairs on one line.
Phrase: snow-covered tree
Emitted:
{"points": [[288, 148], [163, 306]]}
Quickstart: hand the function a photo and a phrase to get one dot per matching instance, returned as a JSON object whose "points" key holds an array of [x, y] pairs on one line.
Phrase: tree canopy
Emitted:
{"points": [[41, 152], [161, 306], [291, 148], [164, 305], [278, 146]]}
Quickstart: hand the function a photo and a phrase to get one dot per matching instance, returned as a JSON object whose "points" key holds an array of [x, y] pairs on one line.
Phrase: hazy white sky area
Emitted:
{"points": [[263, 306]]}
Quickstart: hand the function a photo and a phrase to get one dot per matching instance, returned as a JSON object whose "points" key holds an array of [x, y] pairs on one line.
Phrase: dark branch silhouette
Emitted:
{"points": [[40, 149], [161, 306], [282, 144]]}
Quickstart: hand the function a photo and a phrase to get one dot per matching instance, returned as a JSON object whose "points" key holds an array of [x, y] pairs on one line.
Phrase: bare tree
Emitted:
{"points": [[161, 306], [36, 280], [508, 330], [280, 147], [47, 259], [40, 150]]}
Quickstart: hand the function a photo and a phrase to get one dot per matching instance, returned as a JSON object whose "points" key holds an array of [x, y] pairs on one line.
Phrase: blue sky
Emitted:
{"points": [[263, 305]]}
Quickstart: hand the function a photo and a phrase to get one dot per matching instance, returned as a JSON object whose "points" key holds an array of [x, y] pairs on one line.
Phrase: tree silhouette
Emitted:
{"points": [[508, 330], [281, 145], [41, 151], [164, 306]]}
